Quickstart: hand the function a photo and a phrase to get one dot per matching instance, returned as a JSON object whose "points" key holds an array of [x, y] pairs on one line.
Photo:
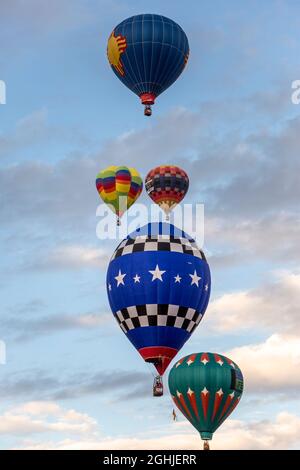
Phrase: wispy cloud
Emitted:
{"points": [[253, 239], [38, 384], [70, 257], [25, 329]]}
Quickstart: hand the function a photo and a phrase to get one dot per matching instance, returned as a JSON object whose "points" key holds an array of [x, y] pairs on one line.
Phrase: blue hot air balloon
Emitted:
{"points": [[148, 53], [158, 285]]}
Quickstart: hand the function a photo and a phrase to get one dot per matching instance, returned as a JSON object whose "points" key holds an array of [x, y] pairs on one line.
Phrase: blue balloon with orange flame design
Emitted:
{"points": [[148, 53]]}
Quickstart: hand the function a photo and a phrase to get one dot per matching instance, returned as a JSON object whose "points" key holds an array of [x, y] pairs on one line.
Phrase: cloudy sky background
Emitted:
{"points": [[71, 379]]}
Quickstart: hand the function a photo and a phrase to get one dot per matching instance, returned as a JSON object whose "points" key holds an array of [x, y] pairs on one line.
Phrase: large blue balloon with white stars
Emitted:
{"points": [[158, 285]]}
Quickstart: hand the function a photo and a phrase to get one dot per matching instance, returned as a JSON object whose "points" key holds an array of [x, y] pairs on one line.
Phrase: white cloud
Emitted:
{"points": [[270, 366], [42, 417], [72, 257], [281, 433], [273, 306], [43, 408]]}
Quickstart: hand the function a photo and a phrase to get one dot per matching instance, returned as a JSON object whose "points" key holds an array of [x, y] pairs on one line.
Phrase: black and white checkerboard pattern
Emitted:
{"points": [[158, 243], [158, 315]]}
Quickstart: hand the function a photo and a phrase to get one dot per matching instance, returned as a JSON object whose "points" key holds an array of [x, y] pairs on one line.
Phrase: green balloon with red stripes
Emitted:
{"points": [[206, 387]]}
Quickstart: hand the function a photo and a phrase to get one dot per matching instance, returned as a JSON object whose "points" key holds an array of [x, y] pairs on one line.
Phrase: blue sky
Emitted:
{"points": [[71, 378]]}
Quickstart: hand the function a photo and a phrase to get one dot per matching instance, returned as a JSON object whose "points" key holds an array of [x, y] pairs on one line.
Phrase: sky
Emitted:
{"points": [[71, 379]]}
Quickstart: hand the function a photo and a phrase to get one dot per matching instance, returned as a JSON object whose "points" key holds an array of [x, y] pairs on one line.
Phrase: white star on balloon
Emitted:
{"points": [[137, 278], [204, 391], [120, 278], [109, 287], [195, 278], [206, 287], [157, 274], [177, 278]]}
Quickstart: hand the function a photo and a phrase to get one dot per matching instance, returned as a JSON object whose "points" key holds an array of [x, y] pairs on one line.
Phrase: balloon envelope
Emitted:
{"points": [[148, 53], [206, 387], [119, 187], [158, 285], [167, 185]]}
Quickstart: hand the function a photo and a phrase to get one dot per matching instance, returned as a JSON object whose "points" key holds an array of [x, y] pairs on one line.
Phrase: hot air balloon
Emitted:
{"points": [[148, 53], [158, 286], [206, 387], [167, 185], [119, 187]]}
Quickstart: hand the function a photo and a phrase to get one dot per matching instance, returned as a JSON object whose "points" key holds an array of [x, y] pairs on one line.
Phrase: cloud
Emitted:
{"points": [[160, 139], [71, 257], [270, 369], [281, 433], [256, 189], [273, 305], [58, 197], [270, 366], [29, 131], [273, 102], [24, 329], [38, 384], [28, 308], [61, 198], [42, 417], [235, 172], [272, 237], [28, 385], [128, 385]]}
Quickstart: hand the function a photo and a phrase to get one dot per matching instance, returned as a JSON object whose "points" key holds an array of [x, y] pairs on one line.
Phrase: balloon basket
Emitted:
{"points": [[158, 389], [148, 110], [206, 445]]}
